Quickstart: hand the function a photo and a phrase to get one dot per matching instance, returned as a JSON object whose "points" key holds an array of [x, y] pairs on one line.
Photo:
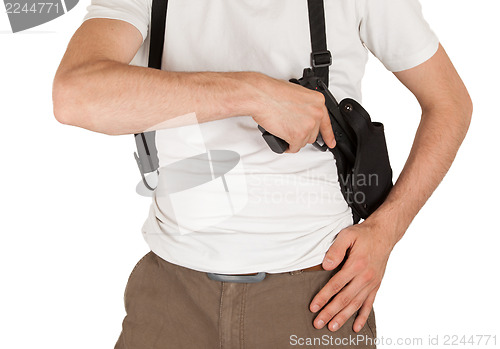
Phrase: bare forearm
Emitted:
{"points": [[115, 98], [438, 138]]}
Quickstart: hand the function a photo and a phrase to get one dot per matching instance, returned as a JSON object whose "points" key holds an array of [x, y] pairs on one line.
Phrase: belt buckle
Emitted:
{"points": [[237, 278], [321, 59]]}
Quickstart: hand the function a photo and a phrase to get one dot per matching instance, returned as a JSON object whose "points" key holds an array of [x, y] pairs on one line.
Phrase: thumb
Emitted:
{"points": [[326, 131], [337, 251]]}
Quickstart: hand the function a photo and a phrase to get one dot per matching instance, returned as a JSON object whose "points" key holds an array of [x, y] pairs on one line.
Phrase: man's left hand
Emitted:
{"points": [[355, 285]]}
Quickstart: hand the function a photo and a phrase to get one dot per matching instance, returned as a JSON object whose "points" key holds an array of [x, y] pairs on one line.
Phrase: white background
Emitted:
{"points": [[70, 218]]}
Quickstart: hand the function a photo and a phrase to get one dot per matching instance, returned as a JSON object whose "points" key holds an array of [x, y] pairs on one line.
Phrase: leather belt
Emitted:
{"points": [[313, 268], [255, 277]]}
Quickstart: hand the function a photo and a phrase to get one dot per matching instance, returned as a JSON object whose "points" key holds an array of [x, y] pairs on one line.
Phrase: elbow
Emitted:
{"points": [[460, 107], [463, 115], [71, 100], [74, 101], [454, 111], [467, 110], [66, 107], [59, 108]]}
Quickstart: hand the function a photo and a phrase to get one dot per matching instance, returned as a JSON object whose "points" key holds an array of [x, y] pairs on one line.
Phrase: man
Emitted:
{"points": [[227, 63]]}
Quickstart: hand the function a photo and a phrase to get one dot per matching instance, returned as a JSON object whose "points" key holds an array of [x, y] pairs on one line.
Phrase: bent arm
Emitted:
{"points": [[446, 115], [95, 87]]}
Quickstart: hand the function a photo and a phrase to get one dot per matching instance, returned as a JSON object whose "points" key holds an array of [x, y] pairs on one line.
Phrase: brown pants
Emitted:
{"points": [[169, 306]]}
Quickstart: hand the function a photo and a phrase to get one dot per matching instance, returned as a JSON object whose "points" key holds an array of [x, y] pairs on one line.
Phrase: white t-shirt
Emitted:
{"points": [[225, 202]]}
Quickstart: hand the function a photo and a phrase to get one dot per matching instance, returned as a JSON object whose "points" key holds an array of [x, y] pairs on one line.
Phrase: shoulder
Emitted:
{"points": [[135, 12]]}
